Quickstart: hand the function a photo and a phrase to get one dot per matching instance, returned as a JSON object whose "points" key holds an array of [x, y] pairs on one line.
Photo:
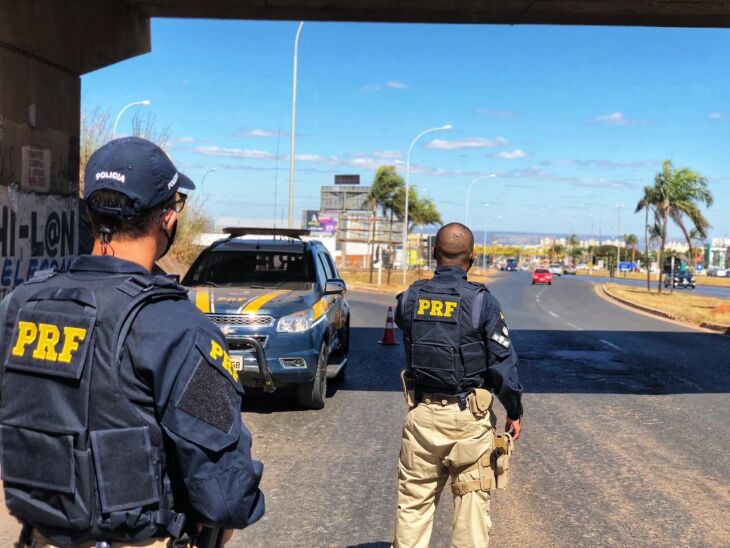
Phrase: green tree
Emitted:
{"points": [[677, 196], [573, 243], [631, 240], [382, 196]]}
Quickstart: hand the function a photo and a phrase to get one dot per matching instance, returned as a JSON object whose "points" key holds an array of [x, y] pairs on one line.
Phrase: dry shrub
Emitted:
{"points": [[192, 221]]}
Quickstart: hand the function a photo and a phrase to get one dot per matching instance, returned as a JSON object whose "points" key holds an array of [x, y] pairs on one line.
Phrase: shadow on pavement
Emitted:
{"points": [[639, 362]]}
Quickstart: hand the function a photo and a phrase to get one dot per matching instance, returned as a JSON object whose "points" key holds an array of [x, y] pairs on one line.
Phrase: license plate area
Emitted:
{"points": [[237, 362]]}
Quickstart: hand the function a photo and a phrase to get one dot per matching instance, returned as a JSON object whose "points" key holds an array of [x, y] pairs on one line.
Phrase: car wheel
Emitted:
{"points": [[312, 394], [533, 283], [550, 283]]}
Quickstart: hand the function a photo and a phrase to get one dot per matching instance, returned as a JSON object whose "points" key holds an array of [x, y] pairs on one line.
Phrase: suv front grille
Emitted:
{"points": [[239, 344], [249, 320]]}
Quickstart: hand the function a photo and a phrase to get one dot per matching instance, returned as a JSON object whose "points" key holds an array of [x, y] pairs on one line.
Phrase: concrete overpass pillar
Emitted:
{"points": [[45, 46]]}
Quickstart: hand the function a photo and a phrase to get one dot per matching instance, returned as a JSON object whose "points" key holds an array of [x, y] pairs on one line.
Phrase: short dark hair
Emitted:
{"points": [[454, 243], [130, 227]]}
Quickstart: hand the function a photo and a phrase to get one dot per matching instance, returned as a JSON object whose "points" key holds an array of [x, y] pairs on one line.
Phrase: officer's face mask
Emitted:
{"points": [[169, 236]]}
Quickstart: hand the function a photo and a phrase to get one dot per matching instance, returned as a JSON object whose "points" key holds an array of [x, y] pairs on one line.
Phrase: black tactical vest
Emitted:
{"points": [[447, 353], [79, 461]]}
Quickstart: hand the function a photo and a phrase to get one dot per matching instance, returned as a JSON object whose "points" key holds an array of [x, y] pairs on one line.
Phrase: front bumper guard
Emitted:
{"points": [[260, 354]]}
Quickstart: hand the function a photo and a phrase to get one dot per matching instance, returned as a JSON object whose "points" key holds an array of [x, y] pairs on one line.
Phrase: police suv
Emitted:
{"points": [[281, 305]]}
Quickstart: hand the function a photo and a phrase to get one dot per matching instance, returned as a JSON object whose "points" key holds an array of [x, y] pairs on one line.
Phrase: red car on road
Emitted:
{"points": [[542, 276]]}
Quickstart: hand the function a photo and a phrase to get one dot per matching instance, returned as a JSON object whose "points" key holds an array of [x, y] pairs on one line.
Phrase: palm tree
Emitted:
{"points": [[631, 240], [677, 195], [573, 242], [382, 195]]}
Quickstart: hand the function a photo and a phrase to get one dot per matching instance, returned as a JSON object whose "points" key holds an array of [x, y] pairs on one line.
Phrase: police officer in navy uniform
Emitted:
{"points": [[120, 410], [458, 350]]}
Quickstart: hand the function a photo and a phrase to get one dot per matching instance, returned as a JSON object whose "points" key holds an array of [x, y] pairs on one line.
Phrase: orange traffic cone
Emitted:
{"points": [[389, 333]]}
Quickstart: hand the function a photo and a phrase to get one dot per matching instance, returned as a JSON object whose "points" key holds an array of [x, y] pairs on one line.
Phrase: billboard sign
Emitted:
{"points": [[323, 224], [347, 179]]}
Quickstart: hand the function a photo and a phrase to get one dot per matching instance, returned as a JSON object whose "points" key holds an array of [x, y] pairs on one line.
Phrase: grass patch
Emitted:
{"points": [[682, 304]]}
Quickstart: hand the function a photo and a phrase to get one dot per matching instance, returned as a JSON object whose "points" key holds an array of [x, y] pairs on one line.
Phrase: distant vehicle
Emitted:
{"points": [[717, 272], [542, 276], [511, 265], [683, 280], [570, 270], [281, 305], [556, 268], [582, 266]]}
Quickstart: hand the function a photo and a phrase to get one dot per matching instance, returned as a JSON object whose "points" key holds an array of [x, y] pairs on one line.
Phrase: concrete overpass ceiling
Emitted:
{"points": [[669, 13]]}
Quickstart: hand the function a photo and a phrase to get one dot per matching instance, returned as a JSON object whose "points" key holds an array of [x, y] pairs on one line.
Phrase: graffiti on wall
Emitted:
{"points": [[37, 232]]}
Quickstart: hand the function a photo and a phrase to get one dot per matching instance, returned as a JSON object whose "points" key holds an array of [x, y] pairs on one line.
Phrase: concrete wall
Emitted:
{"points": [[27, 85], [45, 45]]}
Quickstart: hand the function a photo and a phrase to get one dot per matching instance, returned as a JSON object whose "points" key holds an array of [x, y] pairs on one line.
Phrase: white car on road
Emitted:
{"points": [[556, 268]]}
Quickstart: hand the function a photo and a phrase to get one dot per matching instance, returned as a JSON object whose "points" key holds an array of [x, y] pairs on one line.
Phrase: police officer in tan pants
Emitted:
{"points": [[458, 351]]}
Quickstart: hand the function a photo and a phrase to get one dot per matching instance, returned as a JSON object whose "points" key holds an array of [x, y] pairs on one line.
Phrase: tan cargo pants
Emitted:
{"points": [[441, 441]]}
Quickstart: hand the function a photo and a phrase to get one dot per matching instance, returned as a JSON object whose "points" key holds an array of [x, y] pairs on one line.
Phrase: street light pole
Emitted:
{"points": [[408, 182], [293, 125], [130, 105], [202, 181], [618, 249], [484, 240], [468, 193]]}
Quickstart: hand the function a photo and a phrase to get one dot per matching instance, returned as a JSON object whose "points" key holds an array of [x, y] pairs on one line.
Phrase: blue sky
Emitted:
{"points": [[572, 120]]}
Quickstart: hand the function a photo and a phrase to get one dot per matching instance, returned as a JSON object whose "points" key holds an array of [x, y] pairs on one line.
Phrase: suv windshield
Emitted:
{"points": [[250, 268]]}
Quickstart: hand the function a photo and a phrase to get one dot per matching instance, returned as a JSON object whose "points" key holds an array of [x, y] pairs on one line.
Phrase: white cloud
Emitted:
{"points": [[715, 115], [603, 164], [185, 139], [614, 119], [388, 154], [461, 144], [392, 84], [259, 133], [510, 154], [236, 153]]}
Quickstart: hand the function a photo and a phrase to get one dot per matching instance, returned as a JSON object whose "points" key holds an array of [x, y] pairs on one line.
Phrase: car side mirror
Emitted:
{"points": [[334, 286]]}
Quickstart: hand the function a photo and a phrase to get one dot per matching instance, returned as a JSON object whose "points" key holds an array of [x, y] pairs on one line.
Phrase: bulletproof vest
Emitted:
{"points": [[446, 351], [79, 460]]}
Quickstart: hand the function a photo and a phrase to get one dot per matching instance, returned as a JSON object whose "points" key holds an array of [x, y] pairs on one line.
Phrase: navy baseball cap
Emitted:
{"points": [[136, 168]]}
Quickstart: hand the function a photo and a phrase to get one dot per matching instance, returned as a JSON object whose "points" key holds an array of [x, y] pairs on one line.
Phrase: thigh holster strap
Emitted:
{"points": [[486, 477]]}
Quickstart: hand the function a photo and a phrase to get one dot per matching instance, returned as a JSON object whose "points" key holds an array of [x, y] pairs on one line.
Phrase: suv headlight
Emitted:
{"points": [[297, 322]]}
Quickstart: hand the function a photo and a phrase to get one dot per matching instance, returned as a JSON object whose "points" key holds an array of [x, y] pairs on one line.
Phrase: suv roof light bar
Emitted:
{"points": [[236, 231]]}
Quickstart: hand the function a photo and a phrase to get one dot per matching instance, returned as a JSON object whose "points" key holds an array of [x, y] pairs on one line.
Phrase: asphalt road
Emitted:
{"points": [[626, 439]]}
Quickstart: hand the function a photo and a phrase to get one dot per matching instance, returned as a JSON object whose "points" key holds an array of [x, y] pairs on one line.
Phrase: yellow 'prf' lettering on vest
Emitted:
{"points": [[45, 337], [441, 309], [217, 352]]}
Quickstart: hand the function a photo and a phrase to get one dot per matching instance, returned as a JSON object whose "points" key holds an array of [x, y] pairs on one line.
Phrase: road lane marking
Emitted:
{"points": [[610, 344], [553, 314]]}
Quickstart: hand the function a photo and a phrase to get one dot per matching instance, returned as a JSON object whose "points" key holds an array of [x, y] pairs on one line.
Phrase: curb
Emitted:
{"points": [[720, 329]]}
